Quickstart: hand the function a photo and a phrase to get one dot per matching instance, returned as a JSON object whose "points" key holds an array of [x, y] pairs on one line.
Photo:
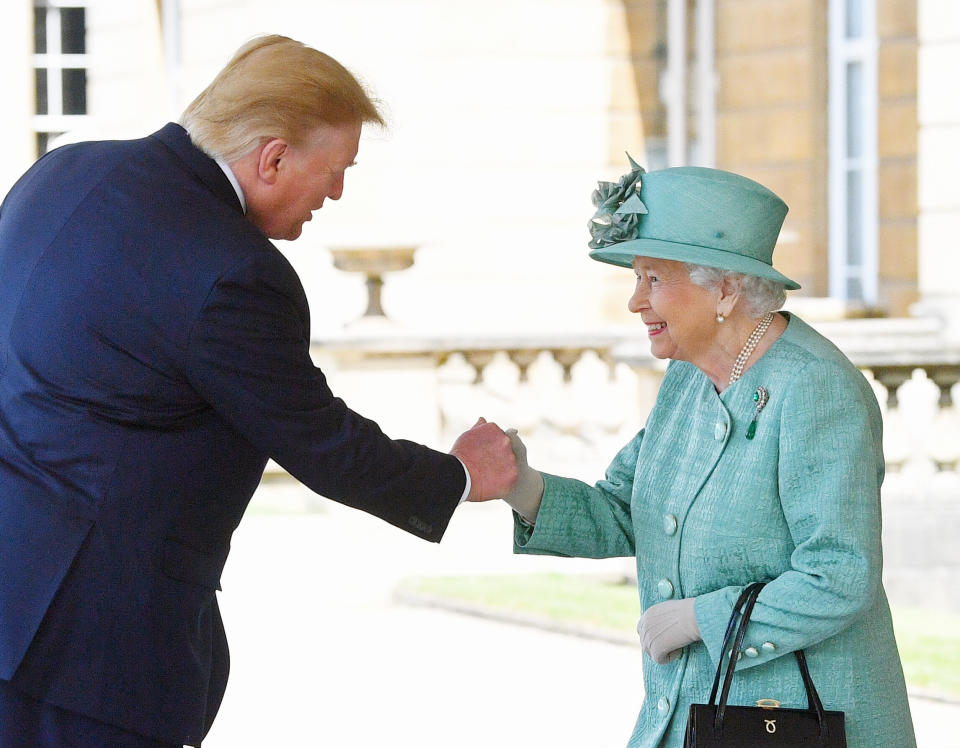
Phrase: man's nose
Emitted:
{"points": [[337, 190]]}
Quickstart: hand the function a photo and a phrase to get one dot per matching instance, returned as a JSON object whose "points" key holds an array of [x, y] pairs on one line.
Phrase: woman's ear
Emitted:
{"points": [[729, 293]]}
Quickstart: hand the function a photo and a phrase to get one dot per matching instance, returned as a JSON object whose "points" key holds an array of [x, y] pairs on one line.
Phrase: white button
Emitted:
{"points": [[663, 706], [768, 647], [719, 431], [751, 652], [670, 524], [665, 588]]}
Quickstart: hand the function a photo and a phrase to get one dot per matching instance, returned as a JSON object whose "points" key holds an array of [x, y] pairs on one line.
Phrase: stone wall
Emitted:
{"points": [[17, 90], [921, 554], [772, 118], [897, 141], [939, 198]]}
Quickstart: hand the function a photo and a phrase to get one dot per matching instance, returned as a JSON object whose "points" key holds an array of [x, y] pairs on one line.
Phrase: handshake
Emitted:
{"points": [[497, 463]]}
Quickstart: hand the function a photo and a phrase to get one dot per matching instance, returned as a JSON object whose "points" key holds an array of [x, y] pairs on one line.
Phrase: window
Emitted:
{"points": [[853, 150], [60, 69]]}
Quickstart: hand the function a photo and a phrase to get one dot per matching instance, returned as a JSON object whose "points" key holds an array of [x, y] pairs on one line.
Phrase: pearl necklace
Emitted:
{"points": [[748, 347]]}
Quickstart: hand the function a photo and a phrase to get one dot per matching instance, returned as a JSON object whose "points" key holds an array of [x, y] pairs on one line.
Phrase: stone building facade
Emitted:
{"points": [[531, 90], [769, 82]]}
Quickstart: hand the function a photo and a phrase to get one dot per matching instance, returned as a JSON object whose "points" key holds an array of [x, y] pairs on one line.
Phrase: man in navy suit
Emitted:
{"points": [[154, 353]]}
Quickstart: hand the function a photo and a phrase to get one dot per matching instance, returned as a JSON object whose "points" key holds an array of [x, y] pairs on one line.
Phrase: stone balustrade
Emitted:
{"points": [[586, 384], [915, 373]]}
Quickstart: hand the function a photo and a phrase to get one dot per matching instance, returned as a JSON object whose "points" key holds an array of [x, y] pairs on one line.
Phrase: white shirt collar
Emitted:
{"points": [[233, 180]]}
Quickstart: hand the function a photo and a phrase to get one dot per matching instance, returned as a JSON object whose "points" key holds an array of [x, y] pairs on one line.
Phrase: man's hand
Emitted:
{"points": [[486, 452]]}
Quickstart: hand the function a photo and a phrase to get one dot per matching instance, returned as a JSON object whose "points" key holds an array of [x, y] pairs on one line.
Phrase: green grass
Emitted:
{"points": [[575, 600], [929, 641]]}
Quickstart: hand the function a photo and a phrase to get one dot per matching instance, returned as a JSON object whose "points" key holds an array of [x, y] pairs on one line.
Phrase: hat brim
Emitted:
{"points": [[622, 254]]}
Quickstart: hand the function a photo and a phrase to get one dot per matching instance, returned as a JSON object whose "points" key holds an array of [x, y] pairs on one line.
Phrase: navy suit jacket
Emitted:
{"points": [[154, 353]]}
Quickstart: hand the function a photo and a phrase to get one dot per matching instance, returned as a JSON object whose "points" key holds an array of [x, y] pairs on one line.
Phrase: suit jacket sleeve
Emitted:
{"points": [[830, 468], [248, 356]]}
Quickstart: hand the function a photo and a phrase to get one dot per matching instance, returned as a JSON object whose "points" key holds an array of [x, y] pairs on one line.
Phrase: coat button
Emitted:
{"points": [[768, 647], [751, 652], [663, 706], [665, 588], [670, 524], [719, 431]]}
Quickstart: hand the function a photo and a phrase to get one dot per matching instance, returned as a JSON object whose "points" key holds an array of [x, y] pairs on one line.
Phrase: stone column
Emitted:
{"points": [[939, 163]]}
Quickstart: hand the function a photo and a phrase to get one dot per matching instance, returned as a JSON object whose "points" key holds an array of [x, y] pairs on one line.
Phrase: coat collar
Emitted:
{"points": [[206, 169]]}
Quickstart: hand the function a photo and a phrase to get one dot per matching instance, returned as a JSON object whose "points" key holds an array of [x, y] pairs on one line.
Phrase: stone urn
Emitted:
{"points": [[373, 262]]}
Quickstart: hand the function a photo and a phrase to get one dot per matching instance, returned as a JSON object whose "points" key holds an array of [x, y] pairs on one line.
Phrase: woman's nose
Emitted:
{"points": [[638, 300]]}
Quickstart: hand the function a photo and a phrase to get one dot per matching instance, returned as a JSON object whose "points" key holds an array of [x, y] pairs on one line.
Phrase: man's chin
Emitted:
{"points": [[289, 235]]}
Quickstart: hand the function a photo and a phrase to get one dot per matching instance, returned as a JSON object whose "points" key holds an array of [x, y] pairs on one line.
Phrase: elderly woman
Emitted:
{"points": [[761, 460]]}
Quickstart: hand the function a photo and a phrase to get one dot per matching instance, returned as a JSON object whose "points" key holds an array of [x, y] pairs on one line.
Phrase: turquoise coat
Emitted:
{"points": [[706, 511]]}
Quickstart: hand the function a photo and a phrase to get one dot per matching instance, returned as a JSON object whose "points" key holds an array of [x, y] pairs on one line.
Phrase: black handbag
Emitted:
{"points": [[717, 725]]}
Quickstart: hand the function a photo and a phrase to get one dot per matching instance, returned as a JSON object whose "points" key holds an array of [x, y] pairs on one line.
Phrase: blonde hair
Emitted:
{"points": [[274, 87]]}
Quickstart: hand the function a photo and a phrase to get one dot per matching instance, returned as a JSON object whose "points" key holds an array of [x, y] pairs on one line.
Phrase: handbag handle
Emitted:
{"points": [[749, 590], [746, 601]]}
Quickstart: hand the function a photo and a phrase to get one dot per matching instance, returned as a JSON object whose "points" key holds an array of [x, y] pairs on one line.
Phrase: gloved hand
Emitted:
{"points": [[667, 627], [526, 495]]}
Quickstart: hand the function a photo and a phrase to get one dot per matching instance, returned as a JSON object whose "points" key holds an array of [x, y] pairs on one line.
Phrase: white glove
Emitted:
{"points": [[526, 495], [667, 627]]}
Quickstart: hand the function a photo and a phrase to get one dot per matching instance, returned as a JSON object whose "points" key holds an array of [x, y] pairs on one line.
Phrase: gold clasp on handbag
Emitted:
{"points": [[768, 703]]}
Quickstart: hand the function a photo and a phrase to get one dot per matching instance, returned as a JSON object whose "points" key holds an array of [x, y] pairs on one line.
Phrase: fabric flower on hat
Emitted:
{"points": [[618, 209]]}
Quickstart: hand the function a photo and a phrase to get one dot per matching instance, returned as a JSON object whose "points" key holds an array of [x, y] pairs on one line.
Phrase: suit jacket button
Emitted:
{"points": [[670, 524], [663, 706], [751, 652], [719, 431], [768, 647], [665, 588]]}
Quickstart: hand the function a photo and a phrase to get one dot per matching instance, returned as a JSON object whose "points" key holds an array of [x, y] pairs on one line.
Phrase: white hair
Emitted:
{"points": [[759, 294]]}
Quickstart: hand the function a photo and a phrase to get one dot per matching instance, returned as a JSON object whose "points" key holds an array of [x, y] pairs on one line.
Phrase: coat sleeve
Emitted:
{"points": [[249, 358], [583, 521], [830, 467]]}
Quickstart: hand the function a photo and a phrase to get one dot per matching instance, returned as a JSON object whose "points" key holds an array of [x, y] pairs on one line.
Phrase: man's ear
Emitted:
{"points": [[272, 155]]}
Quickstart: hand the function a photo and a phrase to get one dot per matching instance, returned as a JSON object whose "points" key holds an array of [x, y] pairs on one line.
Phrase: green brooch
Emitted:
{"points": [[760, 397]]}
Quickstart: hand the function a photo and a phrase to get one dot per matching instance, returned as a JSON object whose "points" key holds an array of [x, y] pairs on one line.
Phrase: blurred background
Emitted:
{"points": [[452, 280]]}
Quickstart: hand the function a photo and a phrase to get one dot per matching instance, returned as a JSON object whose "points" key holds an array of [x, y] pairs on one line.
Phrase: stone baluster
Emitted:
{"points": [[945, 429], [892, 377], [945, 376], [523, 358], [567, 357], [478, 359]]}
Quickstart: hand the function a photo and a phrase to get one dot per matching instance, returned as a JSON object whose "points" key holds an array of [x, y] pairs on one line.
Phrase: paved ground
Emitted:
{"points": [[324, 656]]}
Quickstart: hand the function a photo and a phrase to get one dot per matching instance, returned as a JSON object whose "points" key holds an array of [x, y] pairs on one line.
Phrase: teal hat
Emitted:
{"points": [[689, 214]]}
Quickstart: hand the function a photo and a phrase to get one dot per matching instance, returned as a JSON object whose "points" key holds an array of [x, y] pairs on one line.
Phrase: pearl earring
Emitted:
{"points": [[720, 318]]}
